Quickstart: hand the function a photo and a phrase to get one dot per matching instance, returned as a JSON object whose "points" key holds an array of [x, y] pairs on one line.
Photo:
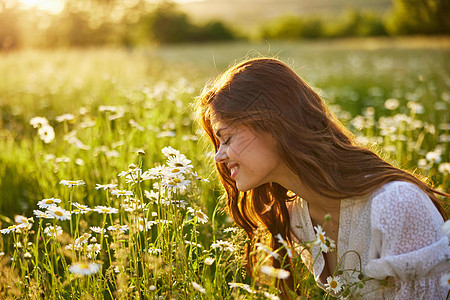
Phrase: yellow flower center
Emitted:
{"points": [[333, 284], [49, 201], [58, 213], [178, 164], [322, 239], [105, 210], [176, 180], [84, 266], [175, 170]]}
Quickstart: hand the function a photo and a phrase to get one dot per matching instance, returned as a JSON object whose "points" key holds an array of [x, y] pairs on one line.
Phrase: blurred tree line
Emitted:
{"points": [[406, 17], [104, 22], [136, 22]]}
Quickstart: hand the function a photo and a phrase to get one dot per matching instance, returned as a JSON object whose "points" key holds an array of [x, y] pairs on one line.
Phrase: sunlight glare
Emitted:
{"points": [[52, 6]]}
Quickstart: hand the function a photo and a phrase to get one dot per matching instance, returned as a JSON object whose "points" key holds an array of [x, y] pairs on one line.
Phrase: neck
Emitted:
{"points": [[319, 206]]}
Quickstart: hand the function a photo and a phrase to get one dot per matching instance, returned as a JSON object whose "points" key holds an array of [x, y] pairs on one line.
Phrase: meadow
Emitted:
{"points": [[108, 186]]}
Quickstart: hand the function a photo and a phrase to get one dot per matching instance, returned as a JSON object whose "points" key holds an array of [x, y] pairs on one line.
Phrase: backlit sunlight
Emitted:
{"points": [[52, 6]]}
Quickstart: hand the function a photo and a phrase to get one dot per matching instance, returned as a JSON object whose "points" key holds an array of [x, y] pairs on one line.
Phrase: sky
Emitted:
{"points": [[56, 6]]}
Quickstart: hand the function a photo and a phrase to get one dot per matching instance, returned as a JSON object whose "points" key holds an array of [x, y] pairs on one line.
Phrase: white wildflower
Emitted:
{"points": [[83, 268], [119, 193], [58, 213], [445, 281], [325, 243], [209, 261], [105, 186], [53, 231], [46, 133], [97, 229], [198, 287], [105, 210], [37, 122], [333, 284], [274, 272], [44, 203], [71, 183], [65, 117]]}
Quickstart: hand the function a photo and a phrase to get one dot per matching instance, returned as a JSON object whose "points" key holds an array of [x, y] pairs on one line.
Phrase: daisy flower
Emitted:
{"points": [[143, 223], [178, 164], [12, 228], [107, 108], [46, 133], [58, 213], [82, 239], [53, 231], [285, 245], [209, 261], [71, 183], [325, 243], [44, 203], [152, 195], [119, 193], [65, 117], [97, 229], [243, 286], [271, 296], [333, 284], [82, 209], [198, 177], [155, 172], [154, 251], [201, 217], [198, 287], [118, 227], [445, 281], [231, 229], [41, 214], [176, 182], [261, 247], [105, 210], [37, 122], [105, 186], [28, 222], [223, 245], [92, 250], [169, 151], [274, 272], [83, 268], [193, 244]]}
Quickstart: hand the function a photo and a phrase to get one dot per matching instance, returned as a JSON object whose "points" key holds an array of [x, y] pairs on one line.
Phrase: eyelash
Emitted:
{"points": [[227, 141]]}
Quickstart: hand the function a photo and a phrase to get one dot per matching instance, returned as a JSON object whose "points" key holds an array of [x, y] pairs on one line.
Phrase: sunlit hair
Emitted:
{"points": [[265, 94]]}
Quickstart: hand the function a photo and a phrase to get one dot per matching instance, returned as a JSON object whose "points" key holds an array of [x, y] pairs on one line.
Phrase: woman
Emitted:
{"points": [[274, 136]]}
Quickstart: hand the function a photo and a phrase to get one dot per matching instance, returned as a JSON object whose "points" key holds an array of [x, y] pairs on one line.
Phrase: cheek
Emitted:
{"points": [[243, 143]]}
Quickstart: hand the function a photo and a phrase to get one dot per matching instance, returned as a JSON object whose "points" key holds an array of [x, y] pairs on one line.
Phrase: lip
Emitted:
{"points": [[231, 166]]}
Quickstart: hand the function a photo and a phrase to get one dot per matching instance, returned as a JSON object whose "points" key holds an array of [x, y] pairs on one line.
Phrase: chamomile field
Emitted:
{"points": [[108, 187]]}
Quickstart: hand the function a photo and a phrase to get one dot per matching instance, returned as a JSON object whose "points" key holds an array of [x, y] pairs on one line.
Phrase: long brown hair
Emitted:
{"points": [[266, 94]]}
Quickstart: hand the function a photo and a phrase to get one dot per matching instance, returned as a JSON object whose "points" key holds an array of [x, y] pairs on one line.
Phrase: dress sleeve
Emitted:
{"points": [[409, 248]]}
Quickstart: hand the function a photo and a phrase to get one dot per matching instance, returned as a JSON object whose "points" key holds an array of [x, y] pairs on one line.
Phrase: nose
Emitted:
{"points": [[221, 155]]}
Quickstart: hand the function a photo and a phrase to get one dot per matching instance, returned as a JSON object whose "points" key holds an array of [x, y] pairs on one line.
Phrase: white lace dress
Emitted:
{"points": [[394, 234]]}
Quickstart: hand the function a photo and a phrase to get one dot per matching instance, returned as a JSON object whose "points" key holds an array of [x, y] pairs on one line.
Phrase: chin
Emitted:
{"points": [[245, 187]]}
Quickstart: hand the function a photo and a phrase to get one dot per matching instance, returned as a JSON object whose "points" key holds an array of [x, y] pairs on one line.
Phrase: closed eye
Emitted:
{"points": [[227, 141]]}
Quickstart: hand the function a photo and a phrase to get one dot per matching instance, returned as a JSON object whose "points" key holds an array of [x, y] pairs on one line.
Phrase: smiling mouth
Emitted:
{"points": [[234, 171]]}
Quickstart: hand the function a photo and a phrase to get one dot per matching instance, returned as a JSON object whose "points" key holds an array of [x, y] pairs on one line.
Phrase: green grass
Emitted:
{"points": [[154, 88]]}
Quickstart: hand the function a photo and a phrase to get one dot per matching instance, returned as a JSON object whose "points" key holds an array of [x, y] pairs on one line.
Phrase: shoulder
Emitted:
{"points": [[402, 201], [399, 193]]}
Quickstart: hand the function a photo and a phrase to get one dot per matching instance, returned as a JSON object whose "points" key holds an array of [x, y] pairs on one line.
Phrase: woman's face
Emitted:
{"points": [[250, 155]]}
